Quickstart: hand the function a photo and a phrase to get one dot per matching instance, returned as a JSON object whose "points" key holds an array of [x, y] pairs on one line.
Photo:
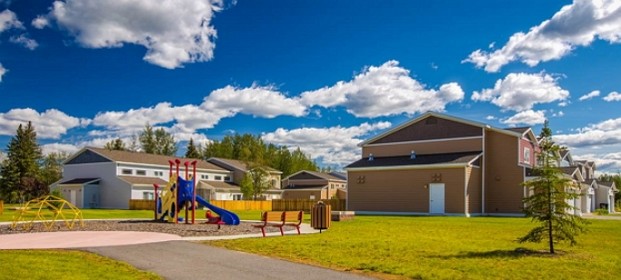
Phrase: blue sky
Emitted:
{"points": [[322, 75]]}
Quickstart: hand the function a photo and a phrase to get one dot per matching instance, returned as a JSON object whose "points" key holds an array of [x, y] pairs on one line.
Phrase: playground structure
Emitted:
{"points": [[180, 193], [47, 210]]}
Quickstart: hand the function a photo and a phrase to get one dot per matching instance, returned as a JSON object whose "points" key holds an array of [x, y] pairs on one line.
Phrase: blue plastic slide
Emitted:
{"points": [[227, 217]]}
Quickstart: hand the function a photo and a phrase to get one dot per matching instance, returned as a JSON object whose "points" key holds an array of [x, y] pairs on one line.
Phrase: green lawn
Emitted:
{"points": [[393, 247], [446, 248], [60, 264], [95, 214]]}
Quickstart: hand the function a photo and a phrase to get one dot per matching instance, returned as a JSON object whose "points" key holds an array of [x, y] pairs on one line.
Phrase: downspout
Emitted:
{"points": [[466, 192], [483, 178], [347, 192]]}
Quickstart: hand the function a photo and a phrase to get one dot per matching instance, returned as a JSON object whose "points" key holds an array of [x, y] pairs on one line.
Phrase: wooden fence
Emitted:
{"points": [[141, 204], [1, 207], [306, 204], [263, 205]]}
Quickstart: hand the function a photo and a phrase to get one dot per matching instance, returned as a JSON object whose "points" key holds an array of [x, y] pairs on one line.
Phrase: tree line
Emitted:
{"points": [[26, 173], [248, 148]]}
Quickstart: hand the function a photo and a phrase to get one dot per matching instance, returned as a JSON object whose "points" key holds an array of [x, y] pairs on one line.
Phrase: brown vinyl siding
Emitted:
{"points": [[503, 176], [404, 190], [431, 128], [435, 147], [473, 190]]}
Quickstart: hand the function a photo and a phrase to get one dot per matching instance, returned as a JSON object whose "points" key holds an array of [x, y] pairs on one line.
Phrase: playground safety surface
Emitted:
{"points": [[81, 239]]}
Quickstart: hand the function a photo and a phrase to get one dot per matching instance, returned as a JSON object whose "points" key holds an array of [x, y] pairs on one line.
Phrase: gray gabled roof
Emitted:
{"points": [[142, 180], [236, 164], [79, 181], [318, 175], [464, 159], [101, 154]]}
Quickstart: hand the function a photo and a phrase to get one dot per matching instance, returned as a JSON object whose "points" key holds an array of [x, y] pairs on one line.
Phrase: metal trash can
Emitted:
{"points": [[320, 216]]}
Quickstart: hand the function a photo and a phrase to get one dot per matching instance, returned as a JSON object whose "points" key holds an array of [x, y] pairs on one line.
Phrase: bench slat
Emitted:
{"points": [[279, 219]]}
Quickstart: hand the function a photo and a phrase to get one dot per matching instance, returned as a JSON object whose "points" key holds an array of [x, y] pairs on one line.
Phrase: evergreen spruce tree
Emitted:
{"points": [[547, 203], [21, 166], [192, 151]]}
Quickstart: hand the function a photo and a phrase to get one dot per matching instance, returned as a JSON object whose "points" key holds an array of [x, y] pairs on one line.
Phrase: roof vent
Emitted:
{"points": [[371, 157], [412, 154]]}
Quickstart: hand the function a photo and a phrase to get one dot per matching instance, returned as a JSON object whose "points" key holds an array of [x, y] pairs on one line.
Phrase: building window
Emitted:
{"points": [[527, 155], [237, 197], [227, 178], [204, 177], [158, 173], [218, 178], [141, 172], [127, 172], [147, 195]]}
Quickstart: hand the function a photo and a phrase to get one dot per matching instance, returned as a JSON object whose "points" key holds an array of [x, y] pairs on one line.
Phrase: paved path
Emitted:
{"points": [[189, 260], [175, 257]]}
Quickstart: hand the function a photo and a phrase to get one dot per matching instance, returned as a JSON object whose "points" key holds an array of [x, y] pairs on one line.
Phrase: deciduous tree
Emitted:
{"points": [[157, 141], [115, 145]]}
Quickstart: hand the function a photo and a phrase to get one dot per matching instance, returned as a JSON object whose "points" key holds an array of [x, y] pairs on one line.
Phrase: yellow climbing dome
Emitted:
{"points": [[47, 210]]}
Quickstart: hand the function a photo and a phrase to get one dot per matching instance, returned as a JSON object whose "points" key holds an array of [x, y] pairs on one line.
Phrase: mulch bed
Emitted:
{"points": [[197, 229]]}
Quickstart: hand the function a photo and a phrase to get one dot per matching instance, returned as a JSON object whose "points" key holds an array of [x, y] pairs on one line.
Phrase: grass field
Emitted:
{"points": [[60, 264], [446, 248], [389, 247]]}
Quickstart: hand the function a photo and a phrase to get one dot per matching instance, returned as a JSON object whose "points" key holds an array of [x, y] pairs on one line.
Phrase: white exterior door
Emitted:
{"points": [[436, 198], [73, 197]]}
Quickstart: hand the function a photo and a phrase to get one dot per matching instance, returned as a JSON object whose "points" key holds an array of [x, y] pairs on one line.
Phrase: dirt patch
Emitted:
{"points": [[197, 229]]}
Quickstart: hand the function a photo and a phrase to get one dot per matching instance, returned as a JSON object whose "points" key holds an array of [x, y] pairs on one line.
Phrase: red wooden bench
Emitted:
{"points": [[280, 219]]}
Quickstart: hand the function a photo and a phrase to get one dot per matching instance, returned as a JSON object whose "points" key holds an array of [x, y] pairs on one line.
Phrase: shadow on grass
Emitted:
{"points": [[502, 254]]}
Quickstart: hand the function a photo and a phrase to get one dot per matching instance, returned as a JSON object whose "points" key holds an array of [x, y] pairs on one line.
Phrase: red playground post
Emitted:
{"points": [[186, 178], [193, 189]]}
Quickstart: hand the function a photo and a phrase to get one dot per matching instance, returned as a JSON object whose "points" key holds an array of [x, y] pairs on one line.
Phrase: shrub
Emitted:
{"points": [[601, 211]]}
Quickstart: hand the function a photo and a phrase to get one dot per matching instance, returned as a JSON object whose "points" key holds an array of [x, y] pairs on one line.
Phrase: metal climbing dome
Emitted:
{"points": [[47, 210]]}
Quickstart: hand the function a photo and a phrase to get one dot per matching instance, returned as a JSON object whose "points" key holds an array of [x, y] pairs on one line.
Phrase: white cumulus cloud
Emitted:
{"points": [[8, 20], [23, 40], [613, 96], [59, 148], [40, 22], [383, 91], [255, 100], [528, 117], [49, 124], [589, 95], [173, 31], [334, 145], [607, 132], [577, 24], [184, 120], [521, 91], [2, 71]]}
